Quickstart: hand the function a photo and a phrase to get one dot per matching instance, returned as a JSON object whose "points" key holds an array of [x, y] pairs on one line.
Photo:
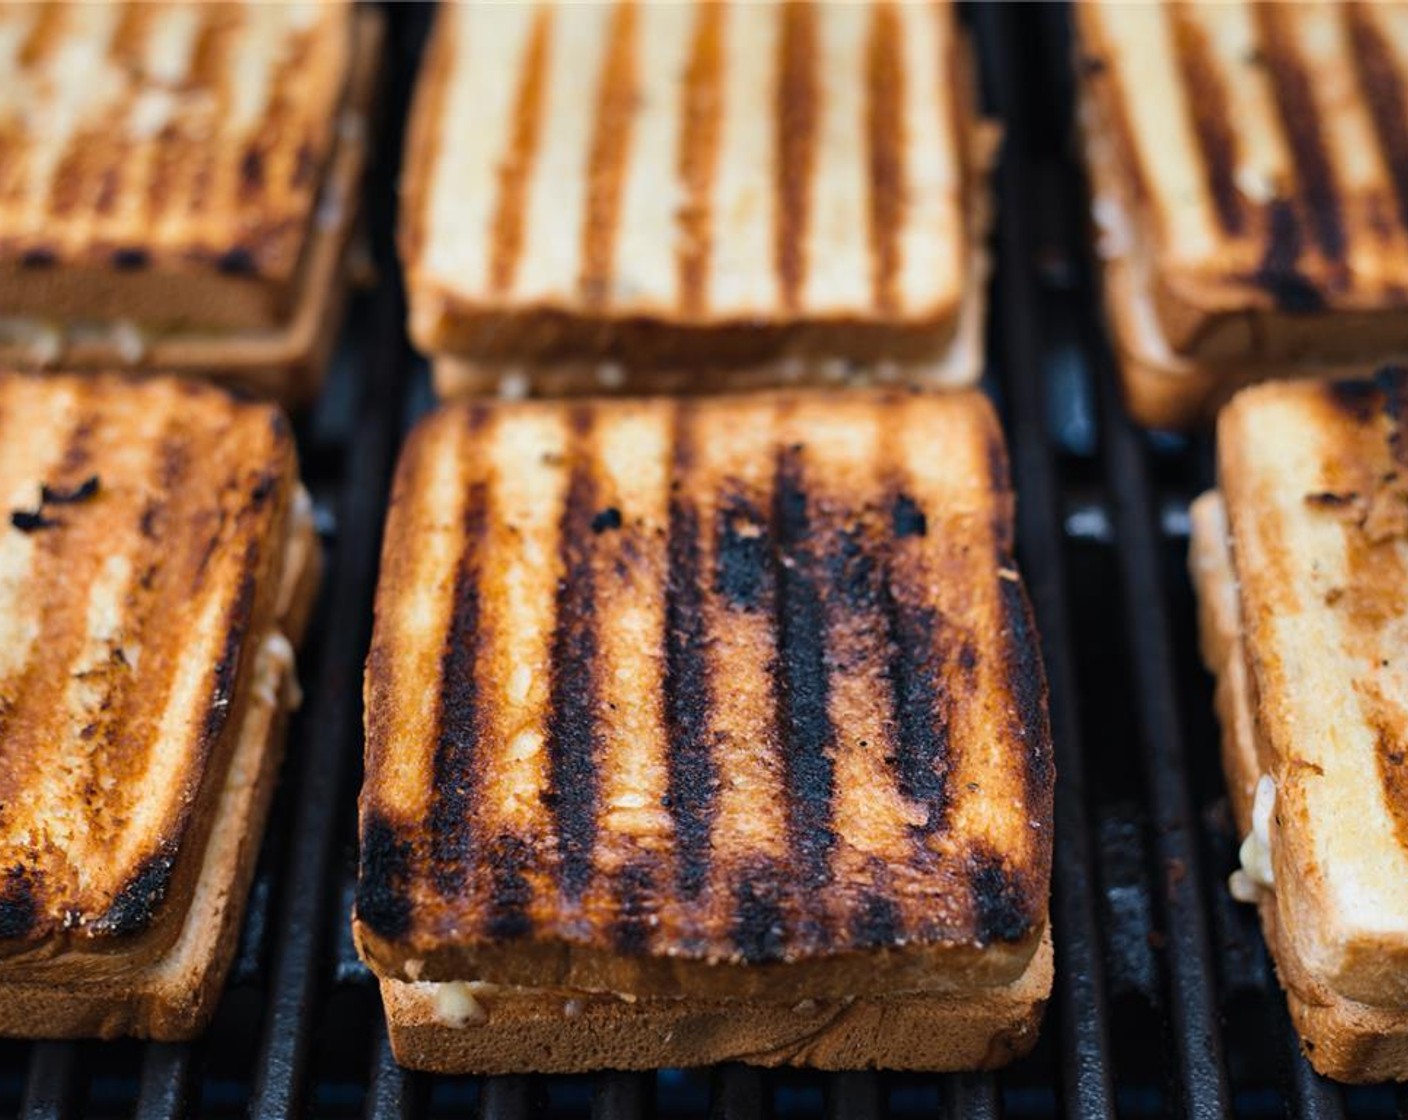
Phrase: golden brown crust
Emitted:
{"points": [[137, 589], [1257, 234], [525, 1031], [873, 301], [580, 589], [188, 140]]}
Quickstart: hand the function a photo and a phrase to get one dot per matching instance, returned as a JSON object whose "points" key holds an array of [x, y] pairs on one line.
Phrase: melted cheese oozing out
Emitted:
{"points": [[1256, 873]]}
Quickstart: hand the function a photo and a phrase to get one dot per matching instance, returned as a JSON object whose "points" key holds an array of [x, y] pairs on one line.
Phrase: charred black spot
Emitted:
{"points": [[264, 488], [38, 258], [1212, 122], [635, 891], [1328, 499], [1027, 680], [19, 902], [876, 924], [238, 261], [606, 520], [1000, 905], [758, 928], [571, 722], [130, 260], [511, 894], [692, 782], [63, 496], [32, 520], [802, 684], [458, 722], [227, 668], [851, 568], [251, 171], [907, 518], [741, 553], [135, 906], [1279, 272], [921, 758], [382, 902], [1358, 399]]}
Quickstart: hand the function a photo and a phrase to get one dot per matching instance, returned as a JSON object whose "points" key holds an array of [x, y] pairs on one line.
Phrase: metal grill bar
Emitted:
{"points": [[51, 1087], [165, 1081], [738, 1093], [506, 1098], [394, 1093]]}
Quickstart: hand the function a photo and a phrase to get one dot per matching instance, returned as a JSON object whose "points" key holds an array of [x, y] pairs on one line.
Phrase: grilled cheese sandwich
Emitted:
{"points": [[154, 563], [688, 190], [1247, 167], [734, 701]]}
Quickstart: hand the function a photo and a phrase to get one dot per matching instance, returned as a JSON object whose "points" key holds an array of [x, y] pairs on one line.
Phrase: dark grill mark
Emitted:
{"points": [[1378, 78], [38, 258], [1358, 399], [801, 678], [999, 903], [611, 138], [796, 120], [698, 154], [907, 519], [511, 893], [635, 892], [693, 780], [238, 261], [137, 904], [921, 758], [1027, 681], [740, 553], [63, 496], [1279, 272], [382, 902], [130, 260], [1304, 131], [571, 724], [32, 520], [458, 720], [1212, 118], [607, 519], [758, 928], [513, 174], [884, 127], [876, 923], [19, 902]]}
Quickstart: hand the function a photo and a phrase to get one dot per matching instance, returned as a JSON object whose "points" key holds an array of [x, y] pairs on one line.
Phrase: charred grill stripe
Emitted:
{"points": [[458, 722], [1388, 106], [571, 723], [1279, 272], [693, 779], [741, 550], [611, 140], [635, 891], [921, 758], [1002, 907], [876, 923], [510, 891], [759, 931], [517, 164], [801, 684], [796, 122], [1212, 117], [383, 902], [885, 125], [1304, 132], [698, 158], [135, 906]]}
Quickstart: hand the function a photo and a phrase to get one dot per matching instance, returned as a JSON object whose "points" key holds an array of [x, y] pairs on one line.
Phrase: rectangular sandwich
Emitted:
{"points": [[1300, 559], [179, 183], [1249, 172], [157, 560], [706, 729], [695, 196]]}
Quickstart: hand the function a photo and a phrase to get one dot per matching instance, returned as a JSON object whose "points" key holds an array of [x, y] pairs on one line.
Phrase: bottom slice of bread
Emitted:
{"points": [[465, 1028], [175, 997], [1343, 1039]]}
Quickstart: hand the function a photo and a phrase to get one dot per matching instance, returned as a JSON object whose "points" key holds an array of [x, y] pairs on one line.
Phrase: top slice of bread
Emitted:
{"points": [[728, 697], [1262, 153], [1315, 481], [664, 183], [141, 555], [164, 159]]}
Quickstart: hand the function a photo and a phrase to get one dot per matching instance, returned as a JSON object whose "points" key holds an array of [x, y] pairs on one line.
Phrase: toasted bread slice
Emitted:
{"points": [[674, 185], [720, 697], [1258, 232], [1343, 1038], [141, 565], [1315, 483], [69, 317], [478, 1028]]}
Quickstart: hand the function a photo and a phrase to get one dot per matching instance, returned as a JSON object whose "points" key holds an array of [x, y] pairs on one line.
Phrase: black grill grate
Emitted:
{"points": [[1165, 1001]]}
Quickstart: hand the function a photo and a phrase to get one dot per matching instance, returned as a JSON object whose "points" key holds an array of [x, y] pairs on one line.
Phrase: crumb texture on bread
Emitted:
{"points": [[581, 175], [1315, 481], [171, 136], [1262, 147], [661, 686], [140, 552]]}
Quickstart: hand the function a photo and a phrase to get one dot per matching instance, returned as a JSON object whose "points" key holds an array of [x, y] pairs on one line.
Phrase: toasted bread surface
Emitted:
{"points": [[1316, 490], [171, 151], [140, 565], [1342, 1038], [1262, 155], [512, 1030], [711, 696], [655, 183]]}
